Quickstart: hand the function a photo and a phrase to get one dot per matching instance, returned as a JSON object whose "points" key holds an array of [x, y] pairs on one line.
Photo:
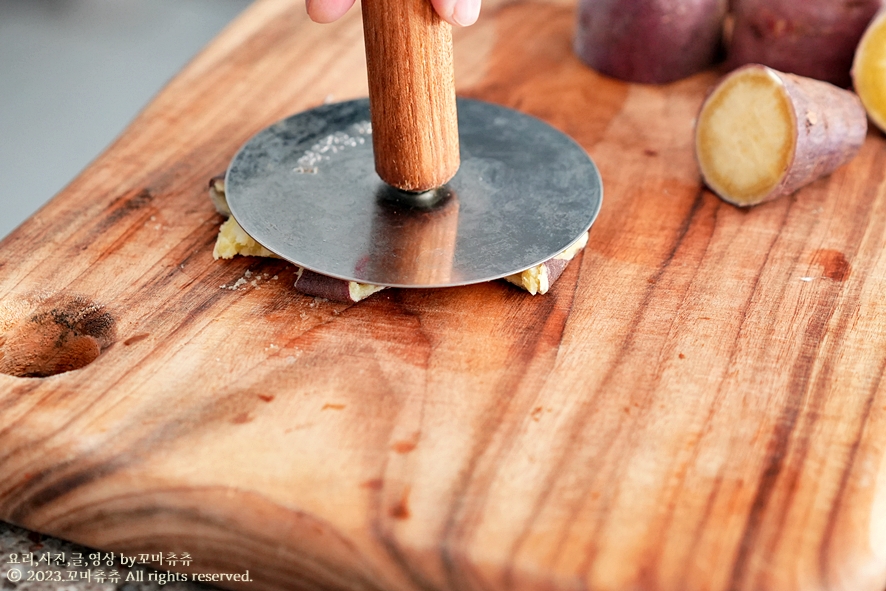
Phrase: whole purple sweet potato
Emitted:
{"points": [[649, 41], [812, 38]]}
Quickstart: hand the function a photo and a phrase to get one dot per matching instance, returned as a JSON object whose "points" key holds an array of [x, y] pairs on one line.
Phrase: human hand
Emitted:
{"points": [[456, 12]]}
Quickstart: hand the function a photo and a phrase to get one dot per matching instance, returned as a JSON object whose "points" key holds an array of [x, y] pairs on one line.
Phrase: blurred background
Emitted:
{"points": [[73, 73]]}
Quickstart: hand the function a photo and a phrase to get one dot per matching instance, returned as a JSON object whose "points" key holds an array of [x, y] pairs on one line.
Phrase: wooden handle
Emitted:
{"points": [[411, 93]]}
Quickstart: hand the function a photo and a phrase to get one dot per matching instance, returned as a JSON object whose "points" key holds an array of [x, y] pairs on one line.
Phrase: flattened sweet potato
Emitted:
{"points": [[232, 240]]}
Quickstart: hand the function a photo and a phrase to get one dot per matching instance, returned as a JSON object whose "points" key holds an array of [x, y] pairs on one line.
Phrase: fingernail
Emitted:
{"points": [[308, 6], [466, 12]]}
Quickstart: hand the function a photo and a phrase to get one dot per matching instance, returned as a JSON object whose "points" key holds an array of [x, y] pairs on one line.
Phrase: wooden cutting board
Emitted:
{"points": [[697, 405]]}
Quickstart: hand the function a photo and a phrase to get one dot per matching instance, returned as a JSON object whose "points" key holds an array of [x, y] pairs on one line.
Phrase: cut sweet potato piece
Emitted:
{"points": [[869, 70], [649, 41], [763, 133], [812, 38]]}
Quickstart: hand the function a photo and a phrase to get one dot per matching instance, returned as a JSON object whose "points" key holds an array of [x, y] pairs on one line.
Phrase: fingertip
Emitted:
{"points": [[466, 12], [327, 11], [460, 13]]}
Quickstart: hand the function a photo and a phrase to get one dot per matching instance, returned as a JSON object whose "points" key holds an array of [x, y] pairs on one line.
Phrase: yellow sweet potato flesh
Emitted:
{"points": [[745, 137], [869, 71]]}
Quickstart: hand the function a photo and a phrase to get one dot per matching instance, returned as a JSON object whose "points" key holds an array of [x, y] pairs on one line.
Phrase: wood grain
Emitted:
{"points": [[697, 405], [411, 93]]}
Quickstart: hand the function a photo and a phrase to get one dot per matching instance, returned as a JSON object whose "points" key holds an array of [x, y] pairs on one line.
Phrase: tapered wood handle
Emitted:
{"points": [[411, 93]]}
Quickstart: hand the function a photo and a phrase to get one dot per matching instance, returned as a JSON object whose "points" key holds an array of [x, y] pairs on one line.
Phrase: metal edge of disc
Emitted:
{"points": [[247, 144], [597, 177], [595, 210]]}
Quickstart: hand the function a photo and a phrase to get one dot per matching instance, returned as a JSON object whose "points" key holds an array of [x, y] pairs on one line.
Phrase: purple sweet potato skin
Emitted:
{"points": [[321, 286], [649, 41], [812, 38], [832, 125], [555, 268]]}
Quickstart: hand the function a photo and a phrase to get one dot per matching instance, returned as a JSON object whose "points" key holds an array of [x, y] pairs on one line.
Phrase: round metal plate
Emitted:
{"points": [[307, 190]]}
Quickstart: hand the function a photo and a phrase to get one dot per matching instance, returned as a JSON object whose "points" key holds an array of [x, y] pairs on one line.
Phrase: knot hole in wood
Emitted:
{"points": [[46, 335]]}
